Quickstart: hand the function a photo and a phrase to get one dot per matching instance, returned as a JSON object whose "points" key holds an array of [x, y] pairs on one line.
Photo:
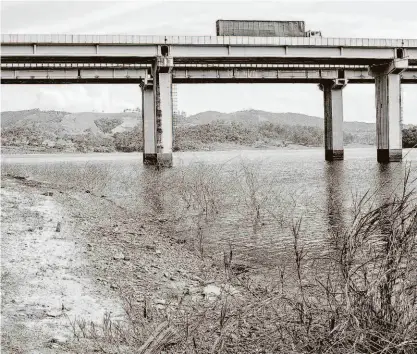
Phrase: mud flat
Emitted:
{"points": [[44, 273]]}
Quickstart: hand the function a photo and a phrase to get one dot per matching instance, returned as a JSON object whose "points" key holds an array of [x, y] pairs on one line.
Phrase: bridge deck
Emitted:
{"points": [[216, 50], [68, 39]]}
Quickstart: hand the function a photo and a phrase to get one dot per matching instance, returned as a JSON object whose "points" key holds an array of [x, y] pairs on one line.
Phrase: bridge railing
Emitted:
{"points": [[204, 40]]}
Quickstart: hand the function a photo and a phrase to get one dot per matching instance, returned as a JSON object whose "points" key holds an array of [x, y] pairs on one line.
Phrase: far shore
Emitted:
{"points": [[12, 150]]}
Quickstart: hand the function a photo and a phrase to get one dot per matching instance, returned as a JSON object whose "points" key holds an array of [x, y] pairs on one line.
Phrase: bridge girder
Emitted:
{"points": [[189, 75]]}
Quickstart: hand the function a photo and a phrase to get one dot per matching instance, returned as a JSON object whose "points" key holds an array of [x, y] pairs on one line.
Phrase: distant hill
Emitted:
{"points": [[257, 116], [77, 123], [61, 123]]}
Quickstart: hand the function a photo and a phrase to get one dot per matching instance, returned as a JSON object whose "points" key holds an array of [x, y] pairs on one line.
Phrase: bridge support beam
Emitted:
{"points": [[333, 118], [157, 116], [164, 129], [149, 124], [388, 110]]}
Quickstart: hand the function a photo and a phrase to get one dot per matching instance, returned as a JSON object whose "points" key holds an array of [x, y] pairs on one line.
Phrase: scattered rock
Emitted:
{"points": [[58, 339], [211, 291], [119, 257], [158, 252], [240, 268], [30, 229], [113, 286], [54, 313], [48, 194], [88, 191], [196, 278]]}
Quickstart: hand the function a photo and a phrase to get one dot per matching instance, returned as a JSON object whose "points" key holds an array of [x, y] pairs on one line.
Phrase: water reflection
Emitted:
{"points": [[335, 194], [390, 181]]}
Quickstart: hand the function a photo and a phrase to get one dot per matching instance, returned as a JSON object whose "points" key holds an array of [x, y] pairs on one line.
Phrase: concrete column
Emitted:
{"points": [[388, 110], [149, 124], [164, 130], [333, 118], [157, 115]]}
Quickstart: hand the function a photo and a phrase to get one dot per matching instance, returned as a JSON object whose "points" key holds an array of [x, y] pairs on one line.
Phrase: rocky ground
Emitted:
{"points": [[72, 257]]}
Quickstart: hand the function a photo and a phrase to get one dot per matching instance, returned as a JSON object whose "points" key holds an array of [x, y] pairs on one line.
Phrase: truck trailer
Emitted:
{"points": [[263, 28]]}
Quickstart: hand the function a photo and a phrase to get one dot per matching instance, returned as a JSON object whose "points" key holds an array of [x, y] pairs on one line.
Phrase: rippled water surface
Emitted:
{"points": [[259, 195]]}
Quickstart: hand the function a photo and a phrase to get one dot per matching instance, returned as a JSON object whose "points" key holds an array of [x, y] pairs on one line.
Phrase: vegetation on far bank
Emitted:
{"points": [[410, 137], [105, 137]]}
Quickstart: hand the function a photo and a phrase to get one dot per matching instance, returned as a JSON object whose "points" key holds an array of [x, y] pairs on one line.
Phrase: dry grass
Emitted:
{"points": [[359, 297]]}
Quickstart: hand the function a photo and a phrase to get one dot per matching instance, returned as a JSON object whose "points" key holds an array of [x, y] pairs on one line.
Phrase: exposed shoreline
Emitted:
{"points": [[82, 279]]}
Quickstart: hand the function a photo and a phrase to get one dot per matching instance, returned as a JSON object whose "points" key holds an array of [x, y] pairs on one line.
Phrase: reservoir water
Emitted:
{"points": [[246, 200]]}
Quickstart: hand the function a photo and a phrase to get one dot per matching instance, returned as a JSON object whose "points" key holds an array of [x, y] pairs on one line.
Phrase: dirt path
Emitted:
{"points": [[45, 276]]}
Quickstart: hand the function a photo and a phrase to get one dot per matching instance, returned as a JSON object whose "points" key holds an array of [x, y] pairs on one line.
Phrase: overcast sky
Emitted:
{"points": [[335, 19]]}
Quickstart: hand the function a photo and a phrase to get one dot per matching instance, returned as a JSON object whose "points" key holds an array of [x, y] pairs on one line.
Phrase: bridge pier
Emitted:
{"points": [[388, 110], [157, 116], [149, 124], [333, 118]]}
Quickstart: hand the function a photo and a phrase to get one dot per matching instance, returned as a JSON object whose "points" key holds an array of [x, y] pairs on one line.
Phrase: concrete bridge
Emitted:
{"points": [[158, 62]]}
